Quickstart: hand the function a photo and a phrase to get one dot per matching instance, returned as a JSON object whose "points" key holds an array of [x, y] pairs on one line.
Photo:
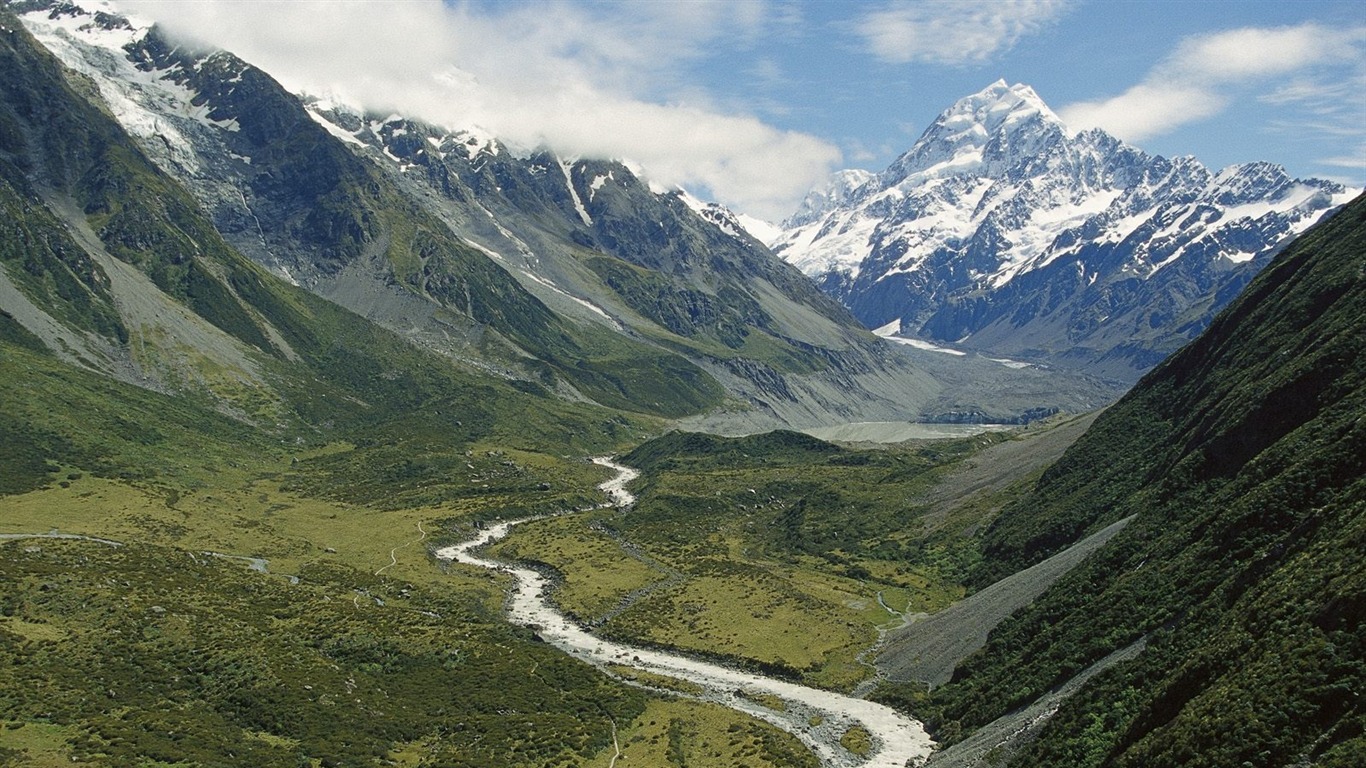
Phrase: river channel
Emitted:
{"points": [[898, 741]]}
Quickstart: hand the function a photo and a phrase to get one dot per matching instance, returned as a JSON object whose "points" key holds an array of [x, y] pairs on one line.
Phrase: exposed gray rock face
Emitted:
{"points": [[1001, 231], [573, 274]]}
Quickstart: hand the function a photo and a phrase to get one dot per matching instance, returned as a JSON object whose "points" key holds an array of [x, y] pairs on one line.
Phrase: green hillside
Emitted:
{"points": [[1244, 459], [191, 419]]}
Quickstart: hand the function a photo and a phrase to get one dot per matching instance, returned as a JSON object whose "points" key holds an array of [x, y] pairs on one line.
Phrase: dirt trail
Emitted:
{"points": [[393, 553]]}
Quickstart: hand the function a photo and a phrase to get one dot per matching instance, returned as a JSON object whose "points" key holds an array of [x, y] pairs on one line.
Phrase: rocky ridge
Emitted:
{"points": [[1002, 231], [573, 274]]}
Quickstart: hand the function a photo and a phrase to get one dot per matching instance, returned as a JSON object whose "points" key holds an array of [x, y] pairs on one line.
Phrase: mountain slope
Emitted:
{"points": [[1001, 231], [1242, 458], [110, 265], [572, 274], [281, 427]]}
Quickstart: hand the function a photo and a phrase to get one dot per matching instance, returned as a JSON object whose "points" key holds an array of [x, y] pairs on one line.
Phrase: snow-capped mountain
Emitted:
{"points": [[575, 275], [837, 191], [729, 221], [1002, 231]]}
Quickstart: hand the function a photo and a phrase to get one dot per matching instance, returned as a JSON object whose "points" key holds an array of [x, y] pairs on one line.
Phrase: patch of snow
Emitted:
{"points": [[765, 232], [574, 194], [888, 330], [811, 251], [539, 280], [1032, 244], [566, 294], [925, 345], [98, 53], [715, 213], [436, 147], [693, 201], [597, 183], [1120, 229], [478, 141], [283, 272]]}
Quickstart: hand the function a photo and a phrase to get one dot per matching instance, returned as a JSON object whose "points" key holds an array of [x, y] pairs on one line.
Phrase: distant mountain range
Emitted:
{"points": [[1002, 231], [575, 277]]}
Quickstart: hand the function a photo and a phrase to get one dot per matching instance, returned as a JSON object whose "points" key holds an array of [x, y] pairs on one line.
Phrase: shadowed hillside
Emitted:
{"points": [[1243, 459]]}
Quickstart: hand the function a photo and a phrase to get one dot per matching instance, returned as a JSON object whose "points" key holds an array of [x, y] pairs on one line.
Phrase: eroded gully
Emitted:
{"points": [[898, 741]]}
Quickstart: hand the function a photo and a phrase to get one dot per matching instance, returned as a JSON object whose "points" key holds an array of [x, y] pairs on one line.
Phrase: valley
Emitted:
{"points": [[331, 546], [824, 721], [337, 436]]}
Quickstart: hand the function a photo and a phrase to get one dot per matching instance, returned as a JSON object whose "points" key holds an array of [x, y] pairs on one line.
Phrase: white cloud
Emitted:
{"points": [[1356, 161], [1241, 54], [590, 81], [1145, 110], [1206, 73], [957, 32]]}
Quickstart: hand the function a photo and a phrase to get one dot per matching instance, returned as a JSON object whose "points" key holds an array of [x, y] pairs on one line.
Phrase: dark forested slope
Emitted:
{"points": [[1242, 457]]}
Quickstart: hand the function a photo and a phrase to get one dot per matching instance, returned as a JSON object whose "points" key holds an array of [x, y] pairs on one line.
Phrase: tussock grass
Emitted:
{"points": [[769, 551], [677, 732], [597, 572]]}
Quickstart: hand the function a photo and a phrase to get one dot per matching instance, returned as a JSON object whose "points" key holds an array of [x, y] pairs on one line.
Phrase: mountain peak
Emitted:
{"points": [[1010, 118], [837, 189], [999, 230], [996, 106]]}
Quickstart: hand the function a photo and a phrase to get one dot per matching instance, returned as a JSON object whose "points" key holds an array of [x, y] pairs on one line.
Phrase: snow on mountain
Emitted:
{"points": [[92, 43], [761, 230], [997, 189], [354, 125], [835, 192], [510, 260], [730, 222]]}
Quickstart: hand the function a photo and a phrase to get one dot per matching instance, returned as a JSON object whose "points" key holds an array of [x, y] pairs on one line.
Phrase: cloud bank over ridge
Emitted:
{"points": [[584, 80], [1318, 68]]}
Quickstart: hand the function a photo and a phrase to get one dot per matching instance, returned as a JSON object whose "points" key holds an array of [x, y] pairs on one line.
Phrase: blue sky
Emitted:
{"points": [[751, 102], [830, 80]]}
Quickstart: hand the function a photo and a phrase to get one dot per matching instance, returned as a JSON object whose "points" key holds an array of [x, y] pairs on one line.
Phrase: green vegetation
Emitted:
{"points": [[145, 653], [1244, 458], [273, 424], [767, 700], [730, 316], [689, 734], [658, 682], [777, 551], [58, 416], [118, 646], [726, 325], [294, 431], [858, 741], [48, 265], [109, 196]]}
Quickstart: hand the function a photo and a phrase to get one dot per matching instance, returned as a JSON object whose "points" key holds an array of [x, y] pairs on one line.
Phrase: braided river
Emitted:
{"points": [[817, 717]]}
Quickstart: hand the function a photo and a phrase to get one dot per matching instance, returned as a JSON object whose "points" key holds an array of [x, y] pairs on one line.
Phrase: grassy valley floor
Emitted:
{"points": [[783, 553]]}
